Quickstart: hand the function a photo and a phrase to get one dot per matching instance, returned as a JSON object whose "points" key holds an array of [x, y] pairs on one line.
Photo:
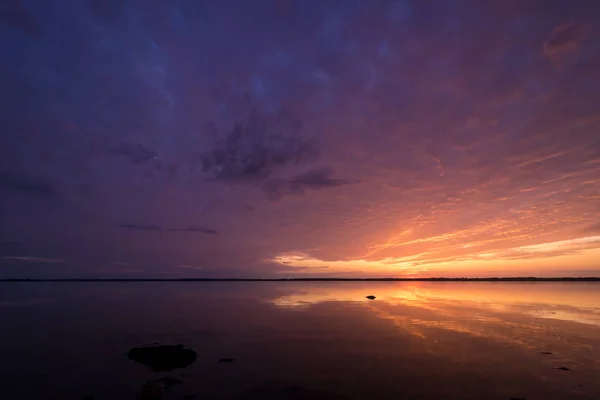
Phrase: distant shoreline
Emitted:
{"points": [[508, 279]]}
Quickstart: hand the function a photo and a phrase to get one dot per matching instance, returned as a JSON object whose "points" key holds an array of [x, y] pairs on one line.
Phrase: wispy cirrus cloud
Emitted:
{"points": [[196, 228], [397, 140], [29, 259], [158, 228], [194, 267], [431, 260], [21, 182], [141, 227]]}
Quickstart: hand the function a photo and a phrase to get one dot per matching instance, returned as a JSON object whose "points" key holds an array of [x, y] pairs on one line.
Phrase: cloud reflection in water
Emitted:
{"points": [[538, 316]]}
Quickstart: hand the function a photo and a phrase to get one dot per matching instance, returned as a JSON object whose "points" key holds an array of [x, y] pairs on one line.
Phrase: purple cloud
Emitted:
{"points": [[409, 128]]}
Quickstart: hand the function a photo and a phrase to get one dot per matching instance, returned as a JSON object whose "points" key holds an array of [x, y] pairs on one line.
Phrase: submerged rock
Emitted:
{"points": [[564, 369], [371, 297], [548, 353], [156, 389], [152, 391], [279, 391], [163, 357], [226, 360]]}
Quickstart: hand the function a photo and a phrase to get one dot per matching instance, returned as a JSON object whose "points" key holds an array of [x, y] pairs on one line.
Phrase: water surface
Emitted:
{"points": [[305, 340]]}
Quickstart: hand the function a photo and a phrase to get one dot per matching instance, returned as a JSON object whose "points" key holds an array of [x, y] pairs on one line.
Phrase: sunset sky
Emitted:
{"points": [[282, 138]]}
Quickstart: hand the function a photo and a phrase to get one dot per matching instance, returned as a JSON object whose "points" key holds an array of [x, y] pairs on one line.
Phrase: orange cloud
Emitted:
{"points": [[465, 259]]}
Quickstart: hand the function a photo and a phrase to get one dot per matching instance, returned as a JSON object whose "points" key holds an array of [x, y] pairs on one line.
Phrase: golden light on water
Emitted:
{"points": [[457, 301]]}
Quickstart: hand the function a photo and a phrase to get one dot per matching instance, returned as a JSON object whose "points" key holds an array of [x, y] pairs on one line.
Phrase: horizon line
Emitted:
{"points": [[313, 279]]}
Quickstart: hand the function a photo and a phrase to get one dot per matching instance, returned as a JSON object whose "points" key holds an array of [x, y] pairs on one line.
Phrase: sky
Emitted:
{"points": [[282, 138]]}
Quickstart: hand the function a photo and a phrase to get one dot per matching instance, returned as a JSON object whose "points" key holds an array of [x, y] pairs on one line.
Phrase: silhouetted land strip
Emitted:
{"points": [[508, 279]]}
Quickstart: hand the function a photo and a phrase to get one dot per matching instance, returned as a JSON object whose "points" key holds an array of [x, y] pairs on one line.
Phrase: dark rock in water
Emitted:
{"points": [[226, 360], [564, 368], [548, 353], [155, 389], [163, 357], [371, 297]]}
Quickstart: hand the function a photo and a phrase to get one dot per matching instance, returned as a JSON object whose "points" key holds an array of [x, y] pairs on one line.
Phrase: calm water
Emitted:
{"points": [[304, 340]]}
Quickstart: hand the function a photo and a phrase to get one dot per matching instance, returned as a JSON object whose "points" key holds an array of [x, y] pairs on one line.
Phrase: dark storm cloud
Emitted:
{"points": [[259, 145], [315, 179], [21, 182]]}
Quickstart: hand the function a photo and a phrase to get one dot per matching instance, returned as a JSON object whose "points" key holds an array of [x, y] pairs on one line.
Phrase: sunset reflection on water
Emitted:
{"points": [[312, 340], [545, 317], [545, 300]]}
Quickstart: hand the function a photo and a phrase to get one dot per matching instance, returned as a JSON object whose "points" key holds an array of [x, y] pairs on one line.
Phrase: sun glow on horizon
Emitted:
{"points": [[526, 260]]}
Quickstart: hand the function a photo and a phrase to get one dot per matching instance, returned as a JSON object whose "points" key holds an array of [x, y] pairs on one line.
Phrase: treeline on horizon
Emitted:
{"points": [[440, 279]]}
